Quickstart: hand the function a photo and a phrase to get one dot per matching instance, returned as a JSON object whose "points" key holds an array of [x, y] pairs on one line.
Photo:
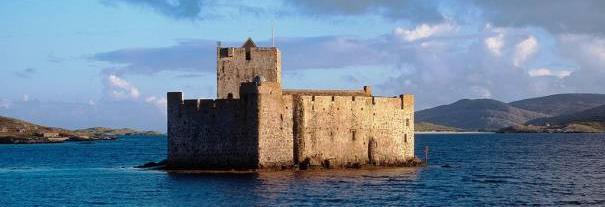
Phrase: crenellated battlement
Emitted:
{"points": [[255, 124], [403, 102], [366, 91]]}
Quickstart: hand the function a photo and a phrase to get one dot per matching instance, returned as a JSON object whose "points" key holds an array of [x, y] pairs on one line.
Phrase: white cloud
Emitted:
{"points": [[524, 50], [539, 72], [121, 89], [25, 98], [424, 31], [587, 52], [586, 49], [160, 103], [440, 62], [474, 65], [495, 43]]}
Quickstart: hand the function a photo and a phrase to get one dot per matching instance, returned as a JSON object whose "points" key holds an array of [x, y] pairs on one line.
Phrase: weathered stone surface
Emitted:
{"points": [[238, 65], [255, 124]]}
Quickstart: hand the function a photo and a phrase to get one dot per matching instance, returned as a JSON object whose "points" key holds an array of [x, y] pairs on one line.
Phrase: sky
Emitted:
{"points": [[86, 63]]}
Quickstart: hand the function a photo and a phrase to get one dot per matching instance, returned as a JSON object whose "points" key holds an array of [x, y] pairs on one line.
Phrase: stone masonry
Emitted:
{"points": [[255, 124]]}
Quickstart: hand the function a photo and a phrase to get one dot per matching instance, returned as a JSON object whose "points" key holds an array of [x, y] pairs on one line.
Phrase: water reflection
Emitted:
{"points": [[295, 187], [482, 170]]}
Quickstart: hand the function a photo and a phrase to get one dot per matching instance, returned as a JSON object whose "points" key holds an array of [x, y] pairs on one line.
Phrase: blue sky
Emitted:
{"points": [[78, 64]]}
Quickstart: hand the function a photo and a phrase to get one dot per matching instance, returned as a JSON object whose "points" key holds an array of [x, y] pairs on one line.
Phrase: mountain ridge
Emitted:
{"points": [[476, 114], [558, 104], [571, 112]]}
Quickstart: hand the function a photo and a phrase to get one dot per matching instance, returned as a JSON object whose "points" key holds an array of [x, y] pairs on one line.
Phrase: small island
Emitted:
{"points": [[15, 131]]}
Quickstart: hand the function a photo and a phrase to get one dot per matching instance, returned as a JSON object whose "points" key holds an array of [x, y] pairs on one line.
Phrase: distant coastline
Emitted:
{"points": [[558, 113], [15, 131]]}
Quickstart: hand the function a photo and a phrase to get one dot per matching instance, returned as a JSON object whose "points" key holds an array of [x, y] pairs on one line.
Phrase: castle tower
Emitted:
{"points": [[237, 65]]}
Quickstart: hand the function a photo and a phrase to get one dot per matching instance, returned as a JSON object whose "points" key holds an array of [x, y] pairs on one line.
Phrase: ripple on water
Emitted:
{"points": [[482, 170]]}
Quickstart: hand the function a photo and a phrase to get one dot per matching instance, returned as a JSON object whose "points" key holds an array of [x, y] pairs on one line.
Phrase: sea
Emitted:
{"points": [[463, 170]]}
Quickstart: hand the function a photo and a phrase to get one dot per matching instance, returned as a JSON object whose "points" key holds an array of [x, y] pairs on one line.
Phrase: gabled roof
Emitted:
{"points": [[249, 43]]}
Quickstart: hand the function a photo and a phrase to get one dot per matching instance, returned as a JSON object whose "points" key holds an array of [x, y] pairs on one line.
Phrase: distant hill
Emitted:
{"points": [[430, 127], [559, 104], [590, 120], [102, 131], [477, 114], [596, 114], [12, 126], [18, 131]]}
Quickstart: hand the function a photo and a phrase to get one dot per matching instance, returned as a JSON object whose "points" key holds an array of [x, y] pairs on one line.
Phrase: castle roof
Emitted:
{"points": [[249, 43]]}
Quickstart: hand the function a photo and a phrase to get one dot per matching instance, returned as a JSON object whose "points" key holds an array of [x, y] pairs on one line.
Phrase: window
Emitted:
{"points": [[248, 55], [405, 138], [224, 52], [407, 122]]}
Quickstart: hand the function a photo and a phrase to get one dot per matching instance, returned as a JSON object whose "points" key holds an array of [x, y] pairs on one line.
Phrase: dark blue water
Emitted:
{"points": [[484, 169]]}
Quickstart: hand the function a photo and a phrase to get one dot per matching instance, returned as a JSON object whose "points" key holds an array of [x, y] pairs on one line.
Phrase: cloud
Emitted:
{"points": [[440, 62], [160, 103], [538, 72], [413, 10], [424, 31], [121, 106], [26, 73], [552, 15], [495, 43], [557, 16], [332, 52], [423, 11], [489, 63], [119, 88], [190, 55], [179, 9], [524, 50], [200, 55], [588, 53], [195, 9]]}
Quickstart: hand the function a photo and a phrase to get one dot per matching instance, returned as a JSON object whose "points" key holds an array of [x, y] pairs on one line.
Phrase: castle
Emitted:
{"points": [[255, 124]]}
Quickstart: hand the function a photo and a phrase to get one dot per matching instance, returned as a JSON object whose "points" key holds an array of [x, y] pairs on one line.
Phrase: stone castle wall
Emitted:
{"points": [[220, 133], [254, 131], [341, 131], [254, 123], [366, 91], [275, 127], [238, 65]]}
